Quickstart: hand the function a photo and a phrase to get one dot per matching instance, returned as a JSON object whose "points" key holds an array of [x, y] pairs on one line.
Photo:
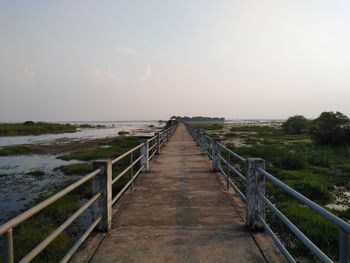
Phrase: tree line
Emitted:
{"points": [[330, 128]]}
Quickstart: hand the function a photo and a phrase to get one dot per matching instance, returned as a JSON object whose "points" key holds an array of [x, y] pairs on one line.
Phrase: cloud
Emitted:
{"points": [[26, 77], [147, 74], [126, 50], [101, 74]]}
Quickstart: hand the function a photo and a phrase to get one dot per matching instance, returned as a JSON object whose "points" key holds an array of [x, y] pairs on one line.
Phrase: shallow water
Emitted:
{"points": [[18, 189], [111, 130]]}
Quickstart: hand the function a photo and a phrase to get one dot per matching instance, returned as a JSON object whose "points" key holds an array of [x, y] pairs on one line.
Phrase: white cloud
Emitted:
{"points": [[103, 75], [147, 73], [126, 50], [26, 77]]}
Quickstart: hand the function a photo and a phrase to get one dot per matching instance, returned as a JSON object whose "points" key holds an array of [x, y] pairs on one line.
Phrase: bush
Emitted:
{"points": [[331, 129], [292, 160], [312, 189], [320, 157], [296, 124]]}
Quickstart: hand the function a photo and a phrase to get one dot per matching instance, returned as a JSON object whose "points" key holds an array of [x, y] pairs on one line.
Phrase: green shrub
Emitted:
{"points": [[320, 157], [296, 124], [345, 167], [292, 160], [331, 129], [312, 189]]}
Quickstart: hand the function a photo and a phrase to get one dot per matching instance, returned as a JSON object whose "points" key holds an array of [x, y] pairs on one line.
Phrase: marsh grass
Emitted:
{"points": [[117, 147], [15, 150], [32, 128], [311, 169], [31, 232], [75, 168]]}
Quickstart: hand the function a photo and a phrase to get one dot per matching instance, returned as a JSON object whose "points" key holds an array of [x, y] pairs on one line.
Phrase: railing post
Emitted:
{"points": [[197, 138], [205, 147], [255, 183], [144, 160], [103, 184], [216, 154], [158, 143], [8, 246], [343, 247], [201, 133]]}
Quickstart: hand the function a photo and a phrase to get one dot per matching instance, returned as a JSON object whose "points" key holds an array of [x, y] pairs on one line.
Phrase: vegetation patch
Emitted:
{"points": [[31, 232], [75, 168], [121, 133], [323, 233], [209, 126], [36, 173], [312, 157], [34, 128], [118, 147], [15, 150]]}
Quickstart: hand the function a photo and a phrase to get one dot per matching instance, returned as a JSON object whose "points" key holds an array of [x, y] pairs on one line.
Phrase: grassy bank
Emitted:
{"points": [[15, 150], [311, 169], [115, 148], [32, 128]]}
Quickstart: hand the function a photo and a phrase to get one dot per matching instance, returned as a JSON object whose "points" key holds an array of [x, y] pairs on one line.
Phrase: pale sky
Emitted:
{"points": [[144, 60]]}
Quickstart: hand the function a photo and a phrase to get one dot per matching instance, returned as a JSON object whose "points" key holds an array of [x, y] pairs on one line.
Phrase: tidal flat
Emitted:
{"points": [[48, 161], [33, 168]]}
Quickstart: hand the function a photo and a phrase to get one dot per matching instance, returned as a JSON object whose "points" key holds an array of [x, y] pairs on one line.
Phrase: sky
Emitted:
{"points": [[148, 60]]}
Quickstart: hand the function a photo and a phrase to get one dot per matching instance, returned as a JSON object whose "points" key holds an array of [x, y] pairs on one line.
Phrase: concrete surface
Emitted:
{"points": [[181, 212]]}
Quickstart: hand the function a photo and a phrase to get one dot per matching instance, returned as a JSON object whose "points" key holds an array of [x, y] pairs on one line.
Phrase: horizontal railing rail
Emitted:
{"points": [[256, 200], [101, 202]]}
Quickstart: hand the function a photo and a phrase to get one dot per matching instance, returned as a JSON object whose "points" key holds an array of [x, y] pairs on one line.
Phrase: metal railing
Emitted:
{"points": [[256, 200], [101, 201]]}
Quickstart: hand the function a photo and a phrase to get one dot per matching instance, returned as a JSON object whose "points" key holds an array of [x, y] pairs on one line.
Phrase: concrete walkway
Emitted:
{"points": [[179, 212]]}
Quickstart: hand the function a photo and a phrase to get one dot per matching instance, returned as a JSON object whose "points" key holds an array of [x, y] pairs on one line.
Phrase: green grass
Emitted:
{"points": [[311, 169], [345, 167], [323, 233], [75, 168], [15, 150], [32, 128], [31, 232], [118, 147]]}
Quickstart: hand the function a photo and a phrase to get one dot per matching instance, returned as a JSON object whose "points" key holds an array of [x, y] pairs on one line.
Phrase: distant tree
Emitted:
{"points": [[29, 123], [296, 124], [331, 129]]}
